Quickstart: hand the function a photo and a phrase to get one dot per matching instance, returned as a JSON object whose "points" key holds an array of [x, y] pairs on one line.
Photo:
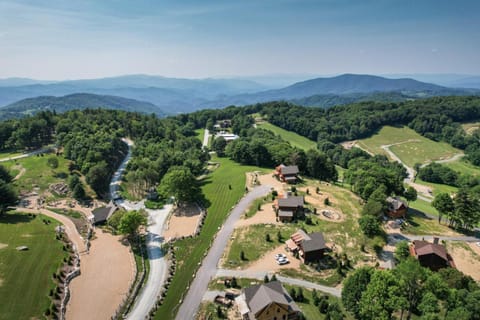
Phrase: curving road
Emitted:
{"points": [[208, 269], [295, 282]]}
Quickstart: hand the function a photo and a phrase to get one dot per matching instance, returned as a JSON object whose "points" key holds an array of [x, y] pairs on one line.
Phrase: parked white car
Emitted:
{"points": [[283, 261], [280, 256]]}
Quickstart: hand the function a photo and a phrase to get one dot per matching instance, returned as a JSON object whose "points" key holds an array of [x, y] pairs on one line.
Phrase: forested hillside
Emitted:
{"points": [[92, 140], [31, 106]]}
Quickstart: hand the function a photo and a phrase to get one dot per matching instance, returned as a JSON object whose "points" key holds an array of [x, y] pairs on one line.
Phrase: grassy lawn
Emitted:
{"points": [[189, 252], [294, 139], [252, 241], [423, 206], [416, 149], [418, 225], [200, 133], [26, 276], [309, 310], [38, 173]]}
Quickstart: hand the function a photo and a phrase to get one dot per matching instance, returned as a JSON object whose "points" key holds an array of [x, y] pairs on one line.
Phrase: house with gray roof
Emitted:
{"points": [[289, 208], [269, 301], [288, 174], [102, 214], [311, 247]]}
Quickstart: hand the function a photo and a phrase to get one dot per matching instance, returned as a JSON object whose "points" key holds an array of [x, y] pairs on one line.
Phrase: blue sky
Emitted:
{"points": [[58, 39]]}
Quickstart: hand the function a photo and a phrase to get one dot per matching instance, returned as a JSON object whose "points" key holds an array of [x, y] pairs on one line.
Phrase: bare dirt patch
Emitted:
{"points": [[265, 216], [466, 259], [106, 274], [3, 245], [268, 263], [270, 180], [183, 221]]}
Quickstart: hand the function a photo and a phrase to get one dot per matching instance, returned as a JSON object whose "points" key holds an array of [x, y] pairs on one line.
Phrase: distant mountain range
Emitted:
{"points": [[75, 101], [163, 95]]}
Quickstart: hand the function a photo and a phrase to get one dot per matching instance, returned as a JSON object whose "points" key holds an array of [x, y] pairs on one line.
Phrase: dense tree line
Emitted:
{"points": [[28, 133], [411, 289], [437, 173], [461, 211], [8, 195]]}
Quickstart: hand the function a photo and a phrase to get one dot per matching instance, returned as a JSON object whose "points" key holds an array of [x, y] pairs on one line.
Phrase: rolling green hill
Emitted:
{"points": [[295, 140]]}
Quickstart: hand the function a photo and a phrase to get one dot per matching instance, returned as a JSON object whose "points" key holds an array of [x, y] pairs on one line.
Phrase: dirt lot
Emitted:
{"points": [[264, 216], [182, 222], [465, 260], [269, 179], [106, 274], [268, 262]]}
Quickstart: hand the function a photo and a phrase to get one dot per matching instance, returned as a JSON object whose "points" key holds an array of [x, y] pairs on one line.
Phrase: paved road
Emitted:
{"points": [[261, 275], [26, 155], [208, 269], [117, 176], [205, 138], [429, 237], [158, 265]]}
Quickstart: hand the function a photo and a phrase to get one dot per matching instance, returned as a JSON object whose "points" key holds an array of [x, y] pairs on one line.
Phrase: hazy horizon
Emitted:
{"points": [[59, 40]]}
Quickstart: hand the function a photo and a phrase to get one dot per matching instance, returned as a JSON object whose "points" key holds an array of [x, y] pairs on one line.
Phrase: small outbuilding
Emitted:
{"points": [[102, 214]]}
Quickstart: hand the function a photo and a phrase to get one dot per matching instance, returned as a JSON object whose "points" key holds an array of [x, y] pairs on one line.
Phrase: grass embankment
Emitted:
{"points": [[26, 276], [37, 172], [410, 146], [190, 252], [295, 140], [464, 167]]}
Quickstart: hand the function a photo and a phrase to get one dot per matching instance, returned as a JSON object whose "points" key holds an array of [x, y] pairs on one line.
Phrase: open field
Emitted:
{"points": [[26, 276], [189, 252], [38, 173], [295, 140], [410, 147]]}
